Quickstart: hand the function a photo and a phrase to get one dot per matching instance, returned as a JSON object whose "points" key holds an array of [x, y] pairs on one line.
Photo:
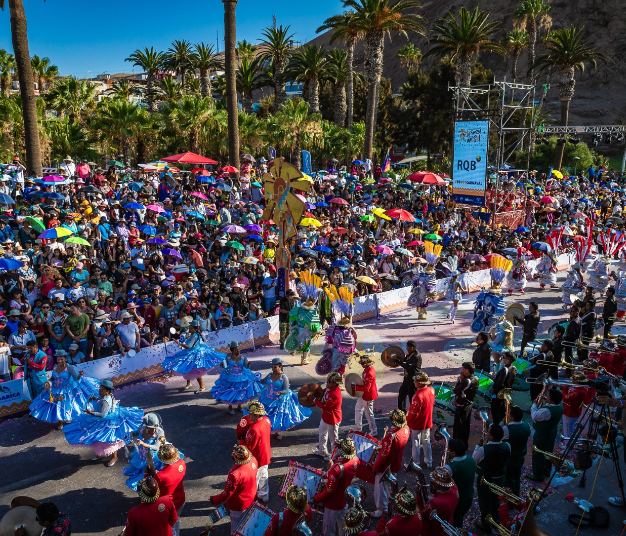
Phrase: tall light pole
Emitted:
{"points": [[577, 158]]}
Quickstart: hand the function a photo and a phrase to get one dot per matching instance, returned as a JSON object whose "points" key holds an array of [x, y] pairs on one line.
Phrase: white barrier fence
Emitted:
{"points": [[14, 396]]}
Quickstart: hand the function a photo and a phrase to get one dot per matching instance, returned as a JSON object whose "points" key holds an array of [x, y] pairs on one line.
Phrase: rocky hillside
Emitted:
{"points": [[600, 97]]}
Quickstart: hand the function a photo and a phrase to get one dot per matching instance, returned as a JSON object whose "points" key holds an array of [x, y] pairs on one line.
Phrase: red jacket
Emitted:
{"points": [[240, 489], [613, 363], [332, 496], [370, 392], [242, 428], [510, 516], [170, 480], [330, 405], [155, 519], [420, 415], [573, 398], [258, 440], [289, 520], [400, 525], [391, 450], [445, 504]]}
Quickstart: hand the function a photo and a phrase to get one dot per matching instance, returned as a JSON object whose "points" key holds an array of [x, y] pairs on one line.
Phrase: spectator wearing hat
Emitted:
{"points": [[34, 362], [444, 501], [282, 523], [240, 488], [155, 516], [68, 166], [330, 404], [339, 477], [75, 356], [257, 441], [406, 520], [420, 418], [365, 403], [77, 326], [128, 336], [389, 458]]}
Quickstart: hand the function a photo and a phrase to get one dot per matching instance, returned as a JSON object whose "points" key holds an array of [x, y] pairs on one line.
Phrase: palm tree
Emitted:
{"points": [[567, 52], [345, 29], [277, 47], [245, 50], [43, 70], [117, 121], [336, 74], [527, 13], [308, 65], [377, 19], [410, 57], [19, 38], [249, 78], [170, 90], [151, 62], [72, 96], [122, 89], [301, 129], [206, 60], [7, 69], [515, 41], [219, 86], [179, 57], [463, 40], [189, 114], [230, 56], [48, 76]]}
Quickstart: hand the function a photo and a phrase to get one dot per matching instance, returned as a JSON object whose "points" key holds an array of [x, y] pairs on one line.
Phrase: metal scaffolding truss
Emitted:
{"points": [[505, 105], [597, 129]]}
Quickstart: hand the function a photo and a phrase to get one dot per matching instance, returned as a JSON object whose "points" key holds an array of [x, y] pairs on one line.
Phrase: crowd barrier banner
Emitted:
{"points": [[14, 396]]}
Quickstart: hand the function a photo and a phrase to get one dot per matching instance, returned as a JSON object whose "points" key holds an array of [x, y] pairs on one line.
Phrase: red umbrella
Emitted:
{"points": [[188, 158], [309, 215], [419, 176], [548, 199], [230, 169], [340, 230], [203, 171], [414, 243], [339, 201], [488, 257], [534, 203], [400, 214]]}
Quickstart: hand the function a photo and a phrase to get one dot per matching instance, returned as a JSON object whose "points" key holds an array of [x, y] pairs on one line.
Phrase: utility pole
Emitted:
{"points": [[274, 21], [217, 40]]}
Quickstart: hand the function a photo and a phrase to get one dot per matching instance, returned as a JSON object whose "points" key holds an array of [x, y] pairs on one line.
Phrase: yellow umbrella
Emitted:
{"points": [[307, 178], [416, 231], [365, 279], [380, 212], [557, 174], [307, 222]]}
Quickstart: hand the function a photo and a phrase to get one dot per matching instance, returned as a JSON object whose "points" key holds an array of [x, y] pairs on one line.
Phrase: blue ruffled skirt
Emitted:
{"points": [[195, 362], [238, 388], [104, 434], [138, 462], [75, 399], [284, 412]]}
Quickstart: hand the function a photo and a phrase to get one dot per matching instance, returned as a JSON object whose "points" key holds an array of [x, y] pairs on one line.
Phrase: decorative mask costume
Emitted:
{"points": [[489, 308], [303, 318], [425, 283]]}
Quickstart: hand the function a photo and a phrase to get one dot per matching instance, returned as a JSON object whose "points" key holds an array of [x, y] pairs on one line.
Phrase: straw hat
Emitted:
{"points": [[169, 454], [422, 378], [355, 521], [334, 377], [297, 500], [148, 490], [347, 448], [442, 477], [397, 417], [256, 408], [406, 502], [241, 455]]}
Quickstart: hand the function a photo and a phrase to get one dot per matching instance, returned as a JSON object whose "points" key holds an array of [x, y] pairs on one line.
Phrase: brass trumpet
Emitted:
{"points": [[501, 491], [501, 528], [550, 455]]}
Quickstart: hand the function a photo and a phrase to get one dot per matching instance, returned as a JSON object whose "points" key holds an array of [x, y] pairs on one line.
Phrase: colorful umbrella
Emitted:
{"points": [[233, 229], [156, 208], [235, 245], [415, 243], [148, 230], [340, 230], [385, 250], [365, 279], [338, 201], [381, 213], [323, 249], [400, 214], [53, 178], [171, 252], [6, 200], [229, 169], [195, 214], [10, 264], [548, 199], [254, 237], [134, 206], [404, 251], [36, 224], [542, 246], [522, 230], [432, 236], [341, 263], [115, 163], [200, 195], [156, 241], [307, 222], [55, 232], [254, 228], [188, 158], [77, 240], [251, 260], [367, 217]]}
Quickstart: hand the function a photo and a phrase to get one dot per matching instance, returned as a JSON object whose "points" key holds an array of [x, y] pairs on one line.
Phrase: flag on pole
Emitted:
{"points": [[387, 163]]}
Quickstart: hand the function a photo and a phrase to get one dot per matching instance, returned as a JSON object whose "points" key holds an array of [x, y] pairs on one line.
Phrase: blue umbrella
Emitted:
{"points": [[47, 195], [310, 206], [341, 263], [406, 186], [358, 163], [351, 178], [196, 215], [156, 241], [7, 200], [541, 246], [322, 204], [254, 237], [134, 206], [224, 187], [148, 229], [309, 253], [135, 186], [10, 264], [586, 201], [522, 230], [323, 249], [209, 180]]}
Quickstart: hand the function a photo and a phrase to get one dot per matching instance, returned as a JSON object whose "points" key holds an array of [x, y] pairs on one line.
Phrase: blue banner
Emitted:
{"points": [[469, 166], [306, 162], [272, 153]]}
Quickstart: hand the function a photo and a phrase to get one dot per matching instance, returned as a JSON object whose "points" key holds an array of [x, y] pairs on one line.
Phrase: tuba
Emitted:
{"points": [[355, 495], [441, 434], [301, 528], [529, 526]]}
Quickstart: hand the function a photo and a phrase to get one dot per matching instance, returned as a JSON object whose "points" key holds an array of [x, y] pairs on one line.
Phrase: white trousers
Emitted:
{"points": [[381, 493], [262, 484], [421, 439], [569, 423], [235, 518], [332, 524], [176, 527], [367, 407], [325, 430]]}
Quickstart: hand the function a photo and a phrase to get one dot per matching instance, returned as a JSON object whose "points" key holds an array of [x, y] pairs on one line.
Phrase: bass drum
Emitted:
{"points": [[563, 323]]}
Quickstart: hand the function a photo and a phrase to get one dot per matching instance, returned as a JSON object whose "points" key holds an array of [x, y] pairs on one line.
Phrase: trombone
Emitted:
{"points": [[501, 528], [549, 455], [446, 527], [497, 490]]}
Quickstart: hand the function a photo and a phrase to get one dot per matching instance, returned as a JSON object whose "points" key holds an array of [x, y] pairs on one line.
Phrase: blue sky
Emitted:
{"points": [[84, 37]]}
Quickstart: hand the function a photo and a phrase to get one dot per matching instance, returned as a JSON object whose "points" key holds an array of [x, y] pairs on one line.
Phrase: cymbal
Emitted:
{"points": [[392, 354], [515, 311], [353, 379], [24, 516], [308, 401]]}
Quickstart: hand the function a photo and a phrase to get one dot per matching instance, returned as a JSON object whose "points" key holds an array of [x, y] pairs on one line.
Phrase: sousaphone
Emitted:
{"points": [[391, 355]]}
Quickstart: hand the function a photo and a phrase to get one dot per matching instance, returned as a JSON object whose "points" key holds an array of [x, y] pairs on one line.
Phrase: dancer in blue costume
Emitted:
{"points": [[66, 395], [196, 359], [106, 430], [35, 362], [281, 404], [237, 384]]}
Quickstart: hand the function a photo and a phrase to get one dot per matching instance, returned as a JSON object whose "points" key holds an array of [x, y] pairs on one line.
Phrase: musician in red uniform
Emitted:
{"points": [[420, 418], [170, 479], [407, 521], [355, 523], [573, 398], [240, 488], [258, 442], [282, 523], [154, 516], [612, 360], [365, 404], [389, 456], [339, 477], [444, 501], [242, 428], [330, 404]]}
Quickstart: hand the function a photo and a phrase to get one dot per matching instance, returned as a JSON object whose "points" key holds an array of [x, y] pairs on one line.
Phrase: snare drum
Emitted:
{"points": [[300, 474], [484, 385], [444, 398], [520, 383], [255, 521], [366, 452]]}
